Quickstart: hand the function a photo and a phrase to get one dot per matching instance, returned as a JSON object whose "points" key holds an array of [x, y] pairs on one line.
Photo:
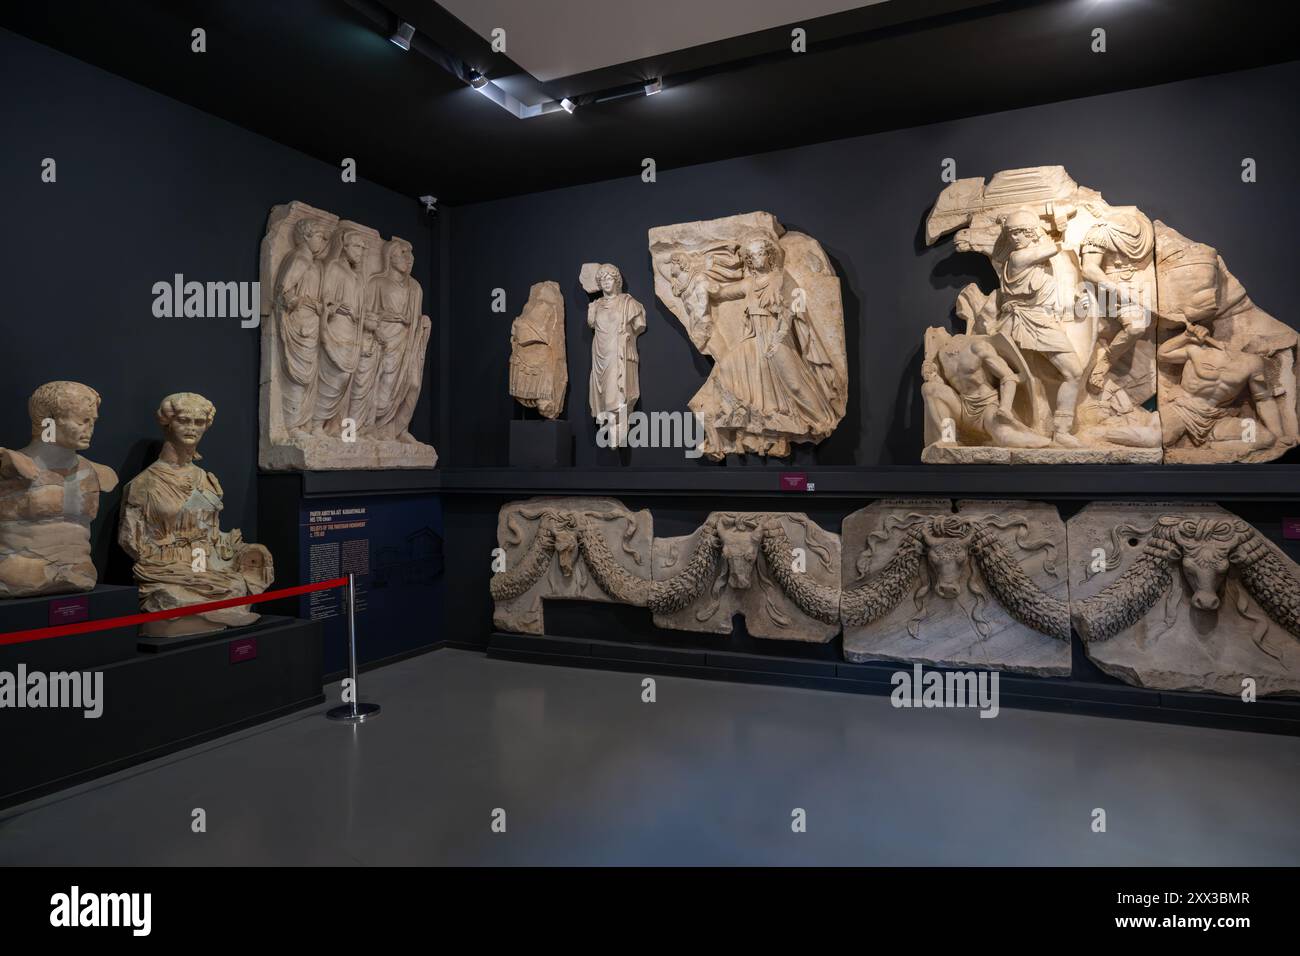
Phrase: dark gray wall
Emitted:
{"points": [[1173, 150], [148, 187]]}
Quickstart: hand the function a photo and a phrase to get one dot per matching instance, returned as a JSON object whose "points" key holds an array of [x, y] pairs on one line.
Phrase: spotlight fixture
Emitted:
{"points": [[477, 79], [654, 86], [568, 104], [403, 35]]}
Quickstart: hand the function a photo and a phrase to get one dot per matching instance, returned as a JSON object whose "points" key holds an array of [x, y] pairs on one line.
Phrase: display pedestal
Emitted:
{"points": [[383, 527], [155, 704], [161, 645], [72, 651], [541, 444]]}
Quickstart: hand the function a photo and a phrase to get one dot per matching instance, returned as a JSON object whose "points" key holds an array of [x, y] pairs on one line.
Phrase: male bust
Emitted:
{"points": [[49, 495]]}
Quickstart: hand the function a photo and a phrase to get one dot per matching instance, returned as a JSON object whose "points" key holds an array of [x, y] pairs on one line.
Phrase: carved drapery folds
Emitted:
{"points": [[344, 336], [765, 305], [1184, 597], [1098, 310], [983, 586]]}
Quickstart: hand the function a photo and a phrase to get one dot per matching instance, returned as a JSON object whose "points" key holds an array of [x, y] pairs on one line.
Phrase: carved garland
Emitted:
{"points": [[818, 602], [662, 597], [1124, 602], [1024, 600]]}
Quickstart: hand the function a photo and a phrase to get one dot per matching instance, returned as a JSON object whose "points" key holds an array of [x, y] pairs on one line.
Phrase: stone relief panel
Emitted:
{"points": [[780, 570], [343, 345], [1097, 311], [1227, 368], [765, 305], [1179, 596], [539, 371], [982, 586], [1055, 365], [591, 549]]}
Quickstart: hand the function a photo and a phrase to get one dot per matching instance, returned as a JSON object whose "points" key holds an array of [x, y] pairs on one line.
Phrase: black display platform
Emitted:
{"points": [[540, 444], [95, 649], [1257, 482], [165, 645], [155, 704], [1068, 695]]}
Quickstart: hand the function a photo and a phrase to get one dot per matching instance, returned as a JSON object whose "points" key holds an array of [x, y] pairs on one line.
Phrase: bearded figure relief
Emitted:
{"points": [[980, 586], [765, 305], [1098, 311], [1184, 597], [1056, 363]]}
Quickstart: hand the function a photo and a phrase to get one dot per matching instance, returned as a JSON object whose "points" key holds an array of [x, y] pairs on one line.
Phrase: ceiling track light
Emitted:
{"points": [[402, 38], [654, 86], [568, 105], [477, 79]]}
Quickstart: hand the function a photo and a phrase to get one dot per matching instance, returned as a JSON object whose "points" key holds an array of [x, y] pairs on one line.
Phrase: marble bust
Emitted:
{"points": [[171, 528], [49, 495]]}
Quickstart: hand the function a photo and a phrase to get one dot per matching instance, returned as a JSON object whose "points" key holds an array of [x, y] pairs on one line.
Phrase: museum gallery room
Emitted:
{"points": [[675, 433]]}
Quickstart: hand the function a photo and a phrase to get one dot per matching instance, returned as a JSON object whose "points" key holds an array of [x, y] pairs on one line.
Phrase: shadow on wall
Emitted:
{"points": [[108, 555]]}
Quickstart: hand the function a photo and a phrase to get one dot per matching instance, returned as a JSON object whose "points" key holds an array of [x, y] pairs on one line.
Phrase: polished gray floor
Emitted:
{"points": [[708, 774]]}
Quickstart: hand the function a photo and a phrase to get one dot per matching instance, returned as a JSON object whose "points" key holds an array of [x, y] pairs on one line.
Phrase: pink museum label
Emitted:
{"points": [[794, 481], [244, 649], [69, 610], [1291, 528]]}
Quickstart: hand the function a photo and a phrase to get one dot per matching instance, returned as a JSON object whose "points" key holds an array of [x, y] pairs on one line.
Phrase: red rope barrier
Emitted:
{"points": [[85, 627]]}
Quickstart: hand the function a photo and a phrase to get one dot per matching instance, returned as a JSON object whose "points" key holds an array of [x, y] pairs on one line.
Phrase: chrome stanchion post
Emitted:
{"points": [[353, 712]]}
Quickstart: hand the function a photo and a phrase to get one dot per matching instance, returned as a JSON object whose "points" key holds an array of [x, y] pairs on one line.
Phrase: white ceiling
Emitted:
{"points": [[557, 38]]}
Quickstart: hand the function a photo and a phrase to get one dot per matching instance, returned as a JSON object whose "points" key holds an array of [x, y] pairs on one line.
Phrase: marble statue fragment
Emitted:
{"points": [[591, 549], [1099, 314], [539, 372], [1056, 364], [171, 528], [981, 585], [765, 305], [343, 345], [1184, 597], [616, 321], [49, 495], [1227, 387], [781, 571]]}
